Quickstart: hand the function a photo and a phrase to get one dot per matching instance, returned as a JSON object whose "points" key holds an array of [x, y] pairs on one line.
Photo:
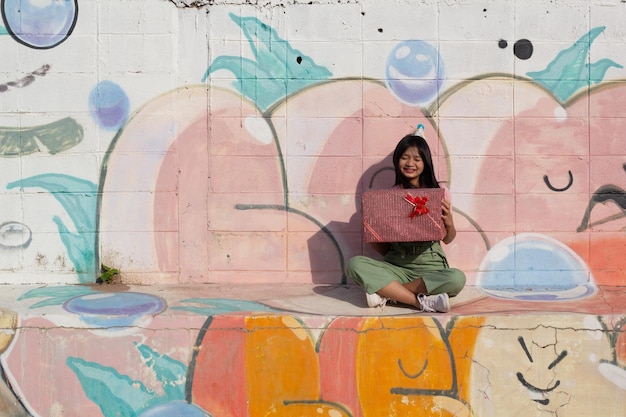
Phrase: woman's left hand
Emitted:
{"points": [[446, 216], [446, 213]]}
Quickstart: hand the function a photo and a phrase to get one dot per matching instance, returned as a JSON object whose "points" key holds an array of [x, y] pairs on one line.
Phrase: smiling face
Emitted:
{"points": [[569, 184], [541, 392], [411, 166], [540, 366], [404, 367], [543, 167], [413, 163]]}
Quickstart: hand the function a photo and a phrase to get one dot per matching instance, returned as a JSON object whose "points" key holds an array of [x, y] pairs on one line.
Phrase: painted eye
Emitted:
{"points": [[546, 180]]}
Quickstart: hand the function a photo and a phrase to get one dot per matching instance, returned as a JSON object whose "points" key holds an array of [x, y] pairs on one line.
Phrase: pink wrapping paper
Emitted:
{"points": [[399, 215]]}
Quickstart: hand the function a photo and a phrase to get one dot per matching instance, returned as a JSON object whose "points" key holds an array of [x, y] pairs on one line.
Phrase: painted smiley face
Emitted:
{"points": [[543, 392], [411, 366], [541, 365], [544, 167]]}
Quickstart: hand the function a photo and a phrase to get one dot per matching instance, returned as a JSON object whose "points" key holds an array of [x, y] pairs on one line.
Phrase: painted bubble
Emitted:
{"points": [[414, 71], [109, 105], [40, 24], [175, 409], [114, 309], [15, 235], [531, 266]]}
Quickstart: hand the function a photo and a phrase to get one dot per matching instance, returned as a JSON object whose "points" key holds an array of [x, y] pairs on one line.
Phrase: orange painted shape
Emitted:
{"points": [[282, 370], [605, 258], [403, 365], [281, 363]]}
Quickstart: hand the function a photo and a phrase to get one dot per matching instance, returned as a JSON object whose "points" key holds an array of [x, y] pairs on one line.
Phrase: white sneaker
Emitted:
{"points": [[439, 303], [375, 300]]}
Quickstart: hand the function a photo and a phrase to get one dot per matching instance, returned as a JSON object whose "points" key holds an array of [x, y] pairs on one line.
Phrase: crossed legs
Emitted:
{"points": [[404, 293]]}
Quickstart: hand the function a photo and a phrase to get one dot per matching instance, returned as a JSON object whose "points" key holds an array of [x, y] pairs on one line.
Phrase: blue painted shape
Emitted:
{"points": [[79, 198], [169, 372], [117, 395], [414, 71], [532, 266], [40, 25], [278, 69], [569, 71], [109, 105], [216, 306], [114, 310]]}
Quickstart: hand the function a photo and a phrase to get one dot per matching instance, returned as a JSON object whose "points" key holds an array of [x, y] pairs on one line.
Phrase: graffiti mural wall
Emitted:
{"points": [[152, 351], [185, 144], [182, 142]]}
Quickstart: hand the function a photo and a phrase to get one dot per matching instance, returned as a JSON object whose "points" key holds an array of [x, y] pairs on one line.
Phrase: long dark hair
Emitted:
{"points": [[427, 179]]}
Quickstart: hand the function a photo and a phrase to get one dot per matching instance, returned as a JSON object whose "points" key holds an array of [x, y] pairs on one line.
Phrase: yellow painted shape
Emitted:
{"points": [[403, 366], [282, 370], [8, 323]]}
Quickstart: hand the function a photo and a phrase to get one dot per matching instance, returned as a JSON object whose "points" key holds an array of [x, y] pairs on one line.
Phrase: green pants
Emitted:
{"points": [[406, 262]]}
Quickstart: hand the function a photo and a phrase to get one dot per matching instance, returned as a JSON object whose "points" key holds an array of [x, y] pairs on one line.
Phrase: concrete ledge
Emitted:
{"points": [[305, 350], [331, 300]]}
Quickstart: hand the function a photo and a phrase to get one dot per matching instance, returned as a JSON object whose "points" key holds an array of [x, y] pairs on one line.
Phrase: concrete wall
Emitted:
{"points": [[184, 142], [226, 143]]}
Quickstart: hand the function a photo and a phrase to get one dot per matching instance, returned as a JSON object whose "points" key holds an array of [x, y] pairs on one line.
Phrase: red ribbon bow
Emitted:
{"points": [[419, 205]]}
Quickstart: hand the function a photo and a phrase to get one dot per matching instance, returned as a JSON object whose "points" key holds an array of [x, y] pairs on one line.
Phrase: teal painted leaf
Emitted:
{"points": [[598, 69], [169, 372], [215, 306], [79, 199], [117, 395], [278, 69], [80, 249], [56, 137], [272, 50], [570, 71], [252, 81], [55, 295]]}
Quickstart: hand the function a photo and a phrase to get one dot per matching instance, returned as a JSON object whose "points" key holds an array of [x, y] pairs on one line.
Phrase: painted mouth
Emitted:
{"points": [[538, 391], [420, 391]]}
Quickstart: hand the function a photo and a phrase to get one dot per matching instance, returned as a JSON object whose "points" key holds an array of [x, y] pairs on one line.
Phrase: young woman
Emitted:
{"points": [[412, 273]]}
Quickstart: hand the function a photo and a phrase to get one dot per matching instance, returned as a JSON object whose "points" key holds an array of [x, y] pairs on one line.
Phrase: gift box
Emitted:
{"points": [[403, 215]]}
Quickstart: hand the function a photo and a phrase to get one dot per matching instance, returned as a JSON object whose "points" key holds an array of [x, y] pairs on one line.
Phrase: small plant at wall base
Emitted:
{"points": [[107, 274]]}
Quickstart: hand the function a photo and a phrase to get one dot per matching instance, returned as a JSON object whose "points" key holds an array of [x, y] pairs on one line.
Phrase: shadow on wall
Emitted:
{"points": [[336, 242]]}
